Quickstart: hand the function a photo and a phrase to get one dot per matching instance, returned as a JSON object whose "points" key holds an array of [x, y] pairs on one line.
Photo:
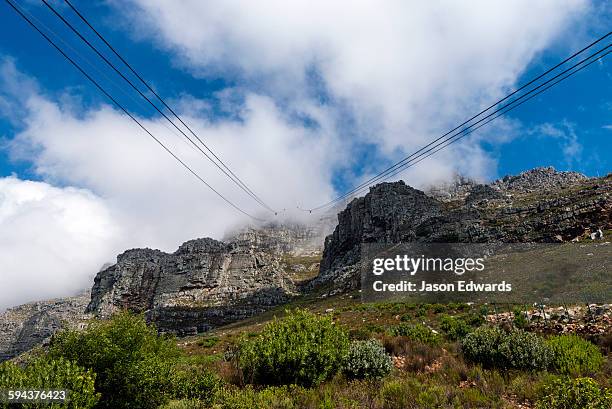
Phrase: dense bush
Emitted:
{"points": [[195, 384], [301, 349], [134, 365], [525, 350], [455, 328], [367, 359], [493, 347], [47, 374], [581, 393], [481, 346], [520, 319], [270, 397], [572, 355], [416, 332]]}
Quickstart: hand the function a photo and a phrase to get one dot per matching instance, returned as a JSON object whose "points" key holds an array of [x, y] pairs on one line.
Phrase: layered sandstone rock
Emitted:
{"points": [[204, 283], [25, 326]]}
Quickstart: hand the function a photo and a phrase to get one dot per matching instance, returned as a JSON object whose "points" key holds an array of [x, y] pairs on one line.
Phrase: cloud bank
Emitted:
{"points": [[52, 240], [403, 71], [323, 86]]}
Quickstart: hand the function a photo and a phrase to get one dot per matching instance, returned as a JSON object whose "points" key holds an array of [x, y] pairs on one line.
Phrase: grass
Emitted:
{"points": [[301, 268]]}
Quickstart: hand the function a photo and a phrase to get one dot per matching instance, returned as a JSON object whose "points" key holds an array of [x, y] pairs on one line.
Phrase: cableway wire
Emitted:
{"points": [[497, 116], [227, 172], [407, 159], [110, 97], [86, 60]]}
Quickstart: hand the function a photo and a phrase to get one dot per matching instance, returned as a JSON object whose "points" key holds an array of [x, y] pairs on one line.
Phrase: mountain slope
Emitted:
{"points": [[207, 283], [540, 205]]}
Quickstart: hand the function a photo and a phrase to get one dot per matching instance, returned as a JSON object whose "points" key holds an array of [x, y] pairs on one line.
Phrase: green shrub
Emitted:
{"points": [[52, 374], [474, 319], [417, 332], [420, 311], [134, 365], [301, 349], [525, 350], [481, 346], [581, 393], [275, 397], [494, 348], [455, 328], [520, 319], [367, 359], [208, 342], [438, 308], [572, 355], [195, 384]]}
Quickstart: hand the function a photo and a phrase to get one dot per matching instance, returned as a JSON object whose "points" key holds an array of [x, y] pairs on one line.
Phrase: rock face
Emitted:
{"points": [[290, 238], [540, 205], [25, 326], [539, 179], [457, 188], [389, 213], [204, 283], [207, 283]]}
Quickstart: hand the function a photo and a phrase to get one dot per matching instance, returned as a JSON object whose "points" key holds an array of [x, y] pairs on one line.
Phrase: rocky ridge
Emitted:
{"points": [[25, 326], [540, 205], [538, 180], [206, 283], [291, 238]]}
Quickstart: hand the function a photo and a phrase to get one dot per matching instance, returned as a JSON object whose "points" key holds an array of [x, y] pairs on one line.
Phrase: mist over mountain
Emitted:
{"points": [[206, 283]]}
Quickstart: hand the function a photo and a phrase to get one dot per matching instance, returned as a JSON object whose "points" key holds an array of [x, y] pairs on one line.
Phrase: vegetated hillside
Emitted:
{"points": [[208, 283]]}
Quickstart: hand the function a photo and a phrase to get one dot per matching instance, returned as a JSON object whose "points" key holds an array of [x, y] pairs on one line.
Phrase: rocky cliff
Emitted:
{"points": [[541, 205], [287, 238], [205, 283], [25, 326]]}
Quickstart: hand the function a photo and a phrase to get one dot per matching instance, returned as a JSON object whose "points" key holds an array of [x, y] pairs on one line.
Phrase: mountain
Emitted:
{"points": [[540, 205], [207, 283], [25, 326], [204, 283]]}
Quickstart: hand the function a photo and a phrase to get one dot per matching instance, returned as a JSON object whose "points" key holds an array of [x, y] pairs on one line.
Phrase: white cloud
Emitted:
{"points": [[157, 201], [403, 70], [52, 240], [394, 75]]}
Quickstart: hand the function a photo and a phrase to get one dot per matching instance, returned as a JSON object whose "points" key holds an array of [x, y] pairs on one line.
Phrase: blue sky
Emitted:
{"points": [[36, 58], [582, 103], [302, 99]]}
